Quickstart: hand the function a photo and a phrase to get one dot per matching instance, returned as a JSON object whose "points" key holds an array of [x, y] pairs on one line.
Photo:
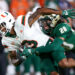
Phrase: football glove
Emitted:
{"points": [[70, 13], [28, 51]]}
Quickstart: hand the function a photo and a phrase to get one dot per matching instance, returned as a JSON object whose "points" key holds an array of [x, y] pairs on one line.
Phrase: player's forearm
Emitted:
{"points": [[42, 11], [48, 11], [15, 57], [17, 62], [51, 47], [43, 49], [71, 62], [46, 49], [67, 63]]}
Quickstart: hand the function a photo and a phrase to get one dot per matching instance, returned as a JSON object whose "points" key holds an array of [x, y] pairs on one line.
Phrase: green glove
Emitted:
{"points": [[68, 13], [20, 54], [28, 51]]}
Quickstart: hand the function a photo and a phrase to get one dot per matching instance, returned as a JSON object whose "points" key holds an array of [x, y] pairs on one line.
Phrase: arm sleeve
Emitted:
{"points": [[49, 48]]}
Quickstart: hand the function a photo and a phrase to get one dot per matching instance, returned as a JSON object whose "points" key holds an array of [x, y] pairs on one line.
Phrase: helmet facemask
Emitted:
{"points": [[45, 24], [3, 28], [48, 23]]}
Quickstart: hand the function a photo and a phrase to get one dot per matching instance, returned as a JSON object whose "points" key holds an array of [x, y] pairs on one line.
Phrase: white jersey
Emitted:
{"points": [[26, 35], [30, 35], [10, 44]]}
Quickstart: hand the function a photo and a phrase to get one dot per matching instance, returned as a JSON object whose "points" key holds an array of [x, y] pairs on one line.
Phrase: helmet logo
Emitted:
{"points": [[3, 15]]}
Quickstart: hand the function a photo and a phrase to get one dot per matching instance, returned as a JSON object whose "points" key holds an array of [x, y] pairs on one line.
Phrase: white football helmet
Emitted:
{"points": [[6, 21]]}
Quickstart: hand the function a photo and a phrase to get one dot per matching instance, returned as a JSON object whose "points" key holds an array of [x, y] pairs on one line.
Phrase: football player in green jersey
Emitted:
{"points": [[65, 32], [59, 29], [48, 30]]}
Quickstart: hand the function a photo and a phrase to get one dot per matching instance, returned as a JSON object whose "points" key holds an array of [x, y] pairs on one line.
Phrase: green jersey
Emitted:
{"points": [[61, 30], [65, 31]]}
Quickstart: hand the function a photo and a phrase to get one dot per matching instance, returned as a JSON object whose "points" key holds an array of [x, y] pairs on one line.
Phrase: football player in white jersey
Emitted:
{"points": [[28, 32], [9, 41]]}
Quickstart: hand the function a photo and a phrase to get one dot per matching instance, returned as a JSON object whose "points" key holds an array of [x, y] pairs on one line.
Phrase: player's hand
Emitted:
{"points": [[70, 13], [19, 58], [27, 51], [20, 54]]}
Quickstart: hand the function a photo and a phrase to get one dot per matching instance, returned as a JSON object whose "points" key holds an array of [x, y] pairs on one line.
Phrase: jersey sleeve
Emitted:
{"points": [[21, 22], [19, 25], [50, 47], [62, 30]]}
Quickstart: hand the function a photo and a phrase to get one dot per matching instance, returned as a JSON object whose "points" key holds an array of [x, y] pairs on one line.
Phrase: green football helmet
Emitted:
{"points": [[48, 22]]}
